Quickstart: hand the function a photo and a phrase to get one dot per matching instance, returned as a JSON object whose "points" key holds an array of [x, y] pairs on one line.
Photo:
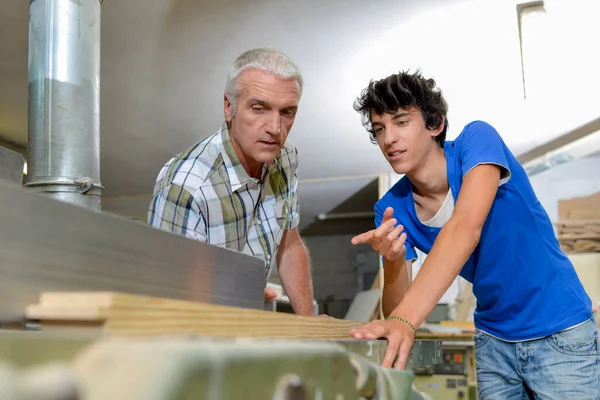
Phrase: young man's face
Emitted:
{"points": [[404, 139], [265, 112]]}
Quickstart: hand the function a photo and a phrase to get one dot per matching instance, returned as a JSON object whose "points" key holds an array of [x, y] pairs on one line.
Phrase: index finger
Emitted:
{"points": [[363, 237]]}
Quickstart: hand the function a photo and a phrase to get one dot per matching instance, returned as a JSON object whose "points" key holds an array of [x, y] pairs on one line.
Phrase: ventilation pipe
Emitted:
{"points": [[582, 142], [64, 101]]}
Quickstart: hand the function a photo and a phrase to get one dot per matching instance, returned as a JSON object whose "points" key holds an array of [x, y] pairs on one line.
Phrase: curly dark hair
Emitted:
{"points": [[404, 90]]}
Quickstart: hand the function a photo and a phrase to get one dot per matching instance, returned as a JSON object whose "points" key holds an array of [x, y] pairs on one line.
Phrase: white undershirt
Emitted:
{"points": [[444, 213]]}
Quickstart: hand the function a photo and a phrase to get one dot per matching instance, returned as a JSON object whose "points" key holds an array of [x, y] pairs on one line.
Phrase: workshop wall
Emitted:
{"points": [[575, 179]]}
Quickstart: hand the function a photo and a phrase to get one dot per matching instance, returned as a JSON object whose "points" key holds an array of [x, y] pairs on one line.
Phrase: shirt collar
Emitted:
{"points": [[238, 177]]}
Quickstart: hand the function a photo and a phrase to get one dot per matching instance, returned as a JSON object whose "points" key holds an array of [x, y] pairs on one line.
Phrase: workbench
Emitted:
{"points": [[189, 320]]}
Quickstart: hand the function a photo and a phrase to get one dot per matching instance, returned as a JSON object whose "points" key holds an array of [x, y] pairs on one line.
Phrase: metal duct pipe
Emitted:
{"points": [[64, 100], [575, 150], [578, 143]]}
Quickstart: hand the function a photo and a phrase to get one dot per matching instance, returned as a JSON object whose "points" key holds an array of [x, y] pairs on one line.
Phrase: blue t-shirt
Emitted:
{"points": [[525, 286]]}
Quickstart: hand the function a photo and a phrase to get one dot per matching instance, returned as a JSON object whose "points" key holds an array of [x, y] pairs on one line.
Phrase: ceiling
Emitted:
{"points": [[164, 65]]}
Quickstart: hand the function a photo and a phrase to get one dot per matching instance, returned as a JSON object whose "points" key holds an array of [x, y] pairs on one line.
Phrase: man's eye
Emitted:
{"points": [[258, 109], [378, 130], [402, 123], [290, 113]]}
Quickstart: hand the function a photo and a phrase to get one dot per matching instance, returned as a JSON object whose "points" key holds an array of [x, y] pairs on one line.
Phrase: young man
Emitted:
{"points": [[469, 205], [238, 187]]}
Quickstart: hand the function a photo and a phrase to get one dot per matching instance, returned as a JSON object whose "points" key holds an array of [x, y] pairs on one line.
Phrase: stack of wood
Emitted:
{"points": [[126, 315], [579, 235], [579, 225]]}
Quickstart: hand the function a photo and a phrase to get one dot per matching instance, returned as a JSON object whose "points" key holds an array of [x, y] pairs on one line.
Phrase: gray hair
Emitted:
{"points": [[263, 59]]}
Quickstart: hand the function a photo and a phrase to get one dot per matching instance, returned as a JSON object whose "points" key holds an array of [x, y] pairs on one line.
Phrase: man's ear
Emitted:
{"points": [[227, 108], [437, 119]]}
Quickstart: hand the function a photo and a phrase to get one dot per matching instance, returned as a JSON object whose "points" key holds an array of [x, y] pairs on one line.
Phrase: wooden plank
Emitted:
{"points": [[124, 314], [578, 229], [444, 336], [575, 236], [585, 246], [464, 325], [167, 324], [40, 312], [577, 222]]}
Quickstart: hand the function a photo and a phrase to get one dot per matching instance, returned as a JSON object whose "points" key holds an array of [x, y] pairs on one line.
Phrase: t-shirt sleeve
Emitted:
{"points": [[481, 144], [411, 253]]}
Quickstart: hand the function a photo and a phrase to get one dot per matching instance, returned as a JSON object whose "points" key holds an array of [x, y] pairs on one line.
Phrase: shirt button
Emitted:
{"points": [[286, 209], [431, 230]]}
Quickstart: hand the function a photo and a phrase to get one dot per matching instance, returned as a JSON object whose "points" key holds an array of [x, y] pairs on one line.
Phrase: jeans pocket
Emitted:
{"points": [[480, 339], [579, 341]]}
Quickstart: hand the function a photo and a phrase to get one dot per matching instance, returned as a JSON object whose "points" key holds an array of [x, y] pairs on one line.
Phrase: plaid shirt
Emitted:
{"points": [[205, 194]]}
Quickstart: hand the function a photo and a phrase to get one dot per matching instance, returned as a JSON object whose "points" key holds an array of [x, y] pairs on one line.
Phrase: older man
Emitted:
{"points": [[238, 187]]}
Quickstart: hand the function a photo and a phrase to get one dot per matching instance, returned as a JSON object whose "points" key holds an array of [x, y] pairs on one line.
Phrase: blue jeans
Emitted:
{"points": [[563, 366]]}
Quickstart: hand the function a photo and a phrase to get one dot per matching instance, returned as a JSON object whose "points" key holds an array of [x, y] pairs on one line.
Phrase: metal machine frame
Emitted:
{"points": [[48, 245]]}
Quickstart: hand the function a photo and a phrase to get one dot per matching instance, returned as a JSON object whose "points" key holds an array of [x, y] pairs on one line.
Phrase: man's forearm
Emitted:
{"points": [[451, 250], [395, 284], [294, 272]]}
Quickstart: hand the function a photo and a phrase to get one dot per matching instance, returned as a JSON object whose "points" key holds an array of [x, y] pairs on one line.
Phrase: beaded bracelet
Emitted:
{"points": [[403, 320]]}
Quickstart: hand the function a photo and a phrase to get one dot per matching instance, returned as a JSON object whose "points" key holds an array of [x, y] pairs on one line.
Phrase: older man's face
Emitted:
{"points": [[265, 112]]}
